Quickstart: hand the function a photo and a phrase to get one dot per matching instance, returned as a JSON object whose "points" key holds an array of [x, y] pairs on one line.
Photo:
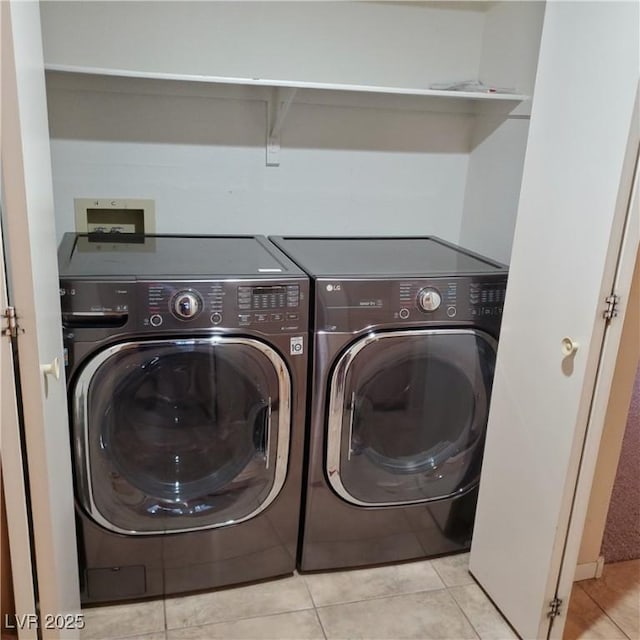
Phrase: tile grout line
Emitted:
{"points": [[464, 615], [306, 586], [208, 624], [443, 586], [164, 610], [604, 611], [313, 602], [466, 568], [380, 597], [324, 633], [108, 608], [251, 617], [313, 606]]}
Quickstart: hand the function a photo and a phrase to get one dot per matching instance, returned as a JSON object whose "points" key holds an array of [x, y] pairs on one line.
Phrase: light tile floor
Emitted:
{"points": [[423, 600]]}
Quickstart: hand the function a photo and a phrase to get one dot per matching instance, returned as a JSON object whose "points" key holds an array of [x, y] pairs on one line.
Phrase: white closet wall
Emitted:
{"points": [[367, 150], [387, 44], [509, 58], [202, 159]]}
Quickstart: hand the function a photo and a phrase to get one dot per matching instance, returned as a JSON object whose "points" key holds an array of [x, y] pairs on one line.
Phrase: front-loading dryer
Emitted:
{"points": [[405, 334], [186, 368]]}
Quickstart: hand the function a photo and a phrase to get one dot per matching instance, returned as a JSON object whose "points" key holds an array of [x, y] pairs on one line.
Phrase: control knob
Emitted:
{"points": [[186, 305], [429, 299]]}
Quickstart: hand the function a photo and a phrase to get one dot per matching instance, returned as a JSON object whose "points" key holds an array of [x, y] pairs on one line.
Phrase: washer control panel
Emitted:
{"points": [[199, 305], [429, 299], [186, 304], [94, 309], [265, 304], [181, 305]]}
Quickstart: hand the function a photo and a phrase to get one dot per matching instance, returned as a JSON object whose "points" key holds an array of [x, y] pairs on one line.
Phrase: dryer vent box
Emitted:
{"points": [[114, 215]]}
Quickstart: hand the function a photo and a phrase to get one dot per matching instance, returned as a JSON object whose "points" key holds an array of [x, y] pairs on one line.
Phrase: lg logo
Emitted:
{"points": [[334, 287]]}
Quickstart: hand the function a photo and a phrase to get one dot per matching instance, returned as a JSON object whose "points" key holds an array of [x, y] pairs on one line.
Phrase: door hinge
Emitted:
{"points": [[611, 310], [11, 327], [554, 607]]}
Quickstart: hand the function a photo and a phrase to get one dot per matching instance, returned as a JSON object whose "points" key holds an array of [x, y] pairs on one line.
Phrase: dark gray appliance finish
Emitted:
{"points": [[405, 334], [186, 369]]}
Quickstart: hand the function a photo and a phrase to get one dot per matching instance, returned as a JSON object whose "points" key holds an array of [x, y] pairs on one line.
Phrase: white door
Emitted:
{"points": [[574, 202], [29, 241]]}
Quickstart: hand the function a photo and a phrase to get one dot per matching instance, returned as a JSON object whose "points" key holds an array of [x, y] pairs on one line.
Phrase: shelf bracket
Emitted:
{"points": [[277, 107]]}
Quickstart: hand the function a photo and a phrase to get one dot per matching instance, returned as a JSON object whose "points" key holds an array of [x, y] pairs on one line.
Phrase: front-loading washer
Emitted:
{"points": [[405, 334], [186, 369]]}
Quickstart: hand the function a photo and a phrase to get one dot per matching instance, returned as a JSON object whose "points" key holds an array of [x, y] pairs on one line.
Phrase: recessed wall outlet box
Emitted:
{"points": [[115, 215]]}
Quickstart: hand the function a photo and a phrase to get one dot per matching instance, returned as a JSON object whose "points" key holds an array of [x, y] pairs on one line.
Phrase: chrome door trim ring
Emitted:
{"points": [[81, 431], [336, 385]]}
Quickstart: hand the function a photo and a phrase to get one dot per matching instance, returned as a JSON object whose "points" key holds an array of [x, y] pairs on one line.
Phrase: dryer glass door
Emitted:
{"points": [[179, 435], [407, 416]]}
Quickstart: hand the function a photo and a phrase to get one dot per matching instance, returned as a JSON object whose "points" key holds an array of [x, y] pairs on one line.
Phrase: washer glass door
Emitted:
{"points": [[178, 435], [407, 416]]}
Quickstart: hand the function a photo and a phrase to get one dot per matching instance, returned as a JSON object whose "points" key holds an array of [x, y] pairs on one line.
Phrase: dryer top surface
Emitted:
{"points": [[384, 257], [171, 256]]}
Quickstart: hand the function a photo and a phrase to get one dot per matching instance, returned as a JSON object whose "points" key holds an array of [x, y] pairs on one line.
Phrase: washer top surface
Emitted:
{"points": [[170, 256], [382, 256]]}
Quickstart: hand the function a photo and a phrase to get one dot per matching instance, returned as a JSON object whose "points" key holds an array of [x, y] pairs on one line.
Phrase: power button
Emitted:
{"points": [[216, 317], [155, 320], [404, 313]]}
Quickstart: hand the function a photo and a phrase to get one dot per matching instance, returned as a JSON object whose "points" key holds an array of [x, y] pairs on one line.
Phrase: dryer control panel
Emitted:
{"points": [[353, 305]]}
